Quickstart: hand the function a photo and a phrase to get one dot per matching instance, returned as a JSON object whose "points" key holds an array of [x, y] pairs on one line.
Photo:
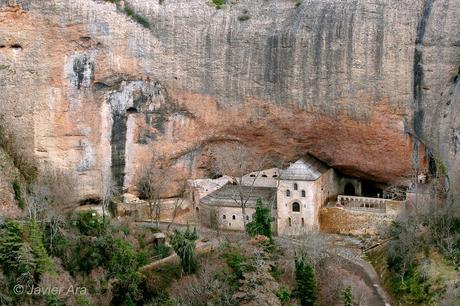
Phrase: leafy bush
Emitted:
{"points": [[306, 289], [413, 289], [124, 266], [283, 294], [276, 272], [89, 223], [261, 221], [161, 251], [237, 262]]}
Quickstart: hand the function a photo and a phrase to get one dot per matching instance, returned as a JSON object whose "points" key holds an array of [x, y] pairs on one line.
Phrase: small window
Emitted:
{"points": [[264, 175], [290, 222], [275, 175], [197, 209], [303, 193], [247, 218], [252, 175], [295, 186], [303, 222], [233, 217], [288, 193], [224, 217], [296, 207]]}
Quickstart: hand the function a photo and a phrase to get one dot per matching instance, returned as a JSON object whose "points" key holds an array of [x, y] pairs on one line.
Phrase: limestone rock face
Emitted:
{"points": [[366, 86]]}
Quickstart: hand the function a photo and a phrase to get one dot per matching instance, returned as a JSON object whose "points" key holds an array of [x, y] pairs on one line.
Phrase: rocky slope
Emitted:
{"points": [[367, 86]]}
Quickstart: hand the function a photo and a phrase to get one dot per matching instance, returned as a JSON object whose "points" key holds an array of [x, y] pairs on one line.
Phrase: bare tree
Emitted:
{"points": [[178, 201], [107, 193], [236, 161], [152, 184]]}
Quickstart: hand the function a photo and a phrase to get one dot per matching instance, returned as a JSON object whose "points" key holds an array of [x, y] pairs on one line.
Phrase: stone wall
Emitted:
{"points": [[342, 221]]}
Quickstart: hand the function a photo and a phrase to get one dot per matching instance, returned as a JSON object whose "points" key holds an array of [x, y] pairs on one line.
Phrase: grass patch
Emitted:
{"points": [[136, 17]]}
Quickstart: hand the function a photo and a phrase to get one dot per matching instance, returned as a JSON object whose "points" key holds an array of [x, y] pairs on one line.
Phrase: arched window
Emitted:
{"points": [[290, 222], [288, 193], [224, 217], [233, 217], [303, 193], [296, 207], [295, 186], [303, 222], [247, 218], [197, 209]]}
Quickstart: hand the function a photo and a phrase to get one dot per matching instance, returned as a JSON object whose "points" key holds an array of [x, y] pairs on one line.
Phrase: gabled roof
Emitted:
{"points": [[229, 195], [305, 169]]}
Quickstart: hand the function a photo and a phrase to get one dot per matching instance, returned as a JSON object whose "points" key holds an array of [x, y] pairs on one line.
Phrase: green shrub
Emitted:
{"points": [[136, 17], [283, 294], [413, 288], [306, 289], [18, 194], [237, 261], [124, 266], [161, 251], [261, 221], [276, 272], [89, 223]]}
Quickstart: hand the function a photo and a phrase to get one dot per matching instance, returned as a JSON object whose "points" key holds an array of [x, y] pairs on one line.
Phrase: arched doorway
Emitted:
{"points": [[349, 189]]}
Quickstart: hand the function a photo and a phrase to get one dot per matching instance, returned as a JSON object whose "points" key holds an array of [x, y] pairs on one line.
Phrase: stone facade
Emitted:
{"points": [[301, 190], [225, 218], [300, 198]]}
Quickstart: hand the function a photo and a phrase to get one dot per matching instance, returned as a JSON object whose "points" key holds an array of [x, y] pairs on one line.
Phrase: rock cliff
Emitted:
{"points": [[100, 87]]}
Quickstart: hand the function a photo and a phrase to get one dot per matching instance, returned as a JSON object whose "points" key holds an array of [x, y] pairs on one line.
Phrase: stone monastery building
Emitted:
{"points": [[295, 195]]}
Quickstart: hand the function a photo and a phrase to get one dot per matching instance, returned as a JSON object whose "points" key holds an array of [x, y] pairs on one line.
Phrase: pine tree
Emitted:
{"points": [[184, 245], [261, 221], [10, 244], [306, 282]]}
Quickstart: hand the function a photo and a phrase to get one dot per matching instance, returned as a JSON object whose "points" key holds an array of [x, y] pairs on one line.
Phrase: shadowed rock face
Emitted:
{"points": [[366, 86]]}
